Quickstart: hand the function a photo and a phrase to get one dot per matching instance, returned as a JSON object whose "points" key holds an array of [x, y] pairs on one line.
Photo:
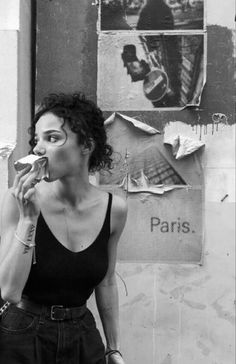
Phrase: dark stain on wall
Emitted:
{"points": [[66, 47], [218, 95], [67, 62]]}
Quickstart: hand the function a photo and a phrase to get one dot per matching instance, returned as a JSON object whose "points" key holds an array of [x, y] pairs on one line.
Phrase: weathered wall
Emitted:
{"points": [[171, 314], [15, 85], [66, 56]]}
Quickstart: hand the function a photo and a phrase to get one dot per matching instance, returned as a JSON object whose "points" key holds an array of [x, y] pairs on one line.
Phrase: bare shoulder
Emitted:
{"points": [[119, 205], [119, 213]]}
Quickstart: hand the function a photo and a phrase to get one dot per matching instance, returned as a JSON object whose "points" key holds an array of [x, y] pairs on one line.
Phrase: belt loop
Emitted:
{"points": [[42, 315]]}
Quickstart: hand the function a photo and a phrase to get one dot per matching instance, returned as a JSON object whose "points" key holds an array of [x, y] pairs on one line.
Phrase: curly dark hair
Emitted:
{"points": [[85, 119]]}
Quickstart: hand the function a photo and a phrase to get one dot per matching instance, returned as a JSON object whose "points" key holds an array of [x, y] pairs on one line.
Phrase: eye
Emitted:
{"points": [[52, 138]]}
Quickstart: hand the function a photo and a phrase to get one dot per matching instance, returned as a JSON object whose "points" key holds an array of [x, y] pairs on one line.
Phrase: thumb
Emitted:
{"points": [[30, 194]]}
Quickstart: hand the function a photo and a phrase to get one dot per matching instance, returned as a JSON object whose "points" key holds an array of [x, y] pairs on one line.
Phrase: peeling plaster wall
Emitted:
{"points": [[170, 313], [15, 85]]}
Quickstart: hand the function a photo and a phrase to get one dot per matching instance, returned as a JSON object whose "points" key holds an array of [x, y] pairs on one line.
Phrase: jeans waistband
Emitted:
{"points": [[54, 312]]}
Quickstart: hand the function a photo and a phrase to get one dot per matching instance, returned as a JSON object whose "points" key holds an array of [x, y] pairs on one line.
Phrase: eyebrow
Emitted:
{"points": [[50, 131]]}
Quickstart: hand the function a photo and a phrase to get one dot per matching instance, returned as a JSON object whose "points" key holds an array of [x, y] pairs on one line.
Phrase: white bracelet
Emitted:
{"points": [[29, 245]]}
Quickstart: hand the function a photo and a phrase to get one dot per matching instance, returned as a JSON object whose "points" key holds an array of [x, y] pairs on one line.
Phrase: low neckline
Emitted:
{"points": [[91, 244]]}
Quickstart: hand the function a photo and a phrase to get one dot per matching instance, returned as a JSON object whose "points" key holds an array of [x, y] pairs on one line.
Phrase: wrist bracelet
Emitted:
{"points": [[111, 352], [29, 245]]}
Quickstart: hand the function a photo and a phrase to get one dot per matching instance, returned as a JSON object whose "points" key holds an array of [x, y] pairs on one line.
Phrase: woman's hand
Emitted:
{"points": [[25, 193], [115, 359]]}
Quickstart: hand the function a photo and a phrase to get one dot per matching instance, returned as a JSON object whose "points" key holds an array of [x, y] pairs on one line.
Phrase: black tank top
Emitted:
{"points": [[63, 277]]}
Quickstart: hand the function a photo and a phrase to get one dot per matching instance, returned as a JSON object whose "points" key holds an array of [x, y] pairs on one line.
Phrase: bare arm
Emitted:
{"points": [[107, 292], [18, 224]]}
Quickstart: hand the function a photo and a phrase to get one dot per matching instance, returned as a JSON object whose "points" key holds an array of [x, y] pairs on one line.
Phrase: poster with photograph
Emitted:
{"points": [[150, 71], [151, 15], [152, 57]]}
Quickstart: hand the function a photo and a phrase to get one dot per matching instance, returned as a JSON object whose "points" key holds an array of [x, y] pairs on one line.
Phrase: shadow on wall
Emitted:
{"points": [[221, 79]]}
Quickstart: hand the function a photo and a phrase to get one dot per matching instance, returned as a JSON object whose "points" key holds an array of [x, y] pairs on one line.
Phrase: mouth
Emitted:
{"points": [[41, 166], [36, 163]]}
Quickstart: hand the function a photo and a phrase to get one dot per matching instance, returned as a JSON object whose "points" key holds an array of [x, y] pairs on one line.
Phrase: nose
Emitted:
{"points": [[39, 149]]}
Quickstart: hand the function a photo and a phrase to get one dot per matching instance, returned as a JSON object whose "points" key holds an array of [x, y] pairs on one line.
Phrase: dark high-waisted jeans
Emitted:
{"points": [[26, 338]]}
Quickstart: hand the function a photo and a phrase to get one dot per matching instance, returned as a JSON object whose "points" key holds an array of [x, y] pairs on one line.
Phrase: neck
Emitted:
{"points": [[72, 190]]}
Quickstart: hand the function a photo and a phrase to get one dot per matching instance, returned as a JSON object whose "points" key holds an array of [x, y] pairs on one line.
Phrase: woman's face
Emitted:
{"points": [[60, 145]]}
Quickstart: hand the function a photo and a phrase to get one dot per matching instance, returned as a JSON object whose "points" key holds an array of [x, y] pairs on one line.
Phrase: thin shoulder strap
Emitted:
{"points": [[109, 202], [108, 214]]}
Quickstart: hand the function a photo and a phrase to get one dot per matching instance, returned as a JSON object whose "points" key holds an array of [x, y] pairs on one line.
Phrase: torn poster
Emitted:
{"points": [[183, 146], [151, 15], [6, 149], [164, 195], [143, 185], [150, 71], [138, 124], [139, 163]]}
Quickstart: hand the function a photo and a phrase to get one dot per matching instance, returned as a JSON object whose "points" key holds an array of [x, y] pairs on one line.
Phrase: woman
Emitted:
{"points": [[70, 230]]}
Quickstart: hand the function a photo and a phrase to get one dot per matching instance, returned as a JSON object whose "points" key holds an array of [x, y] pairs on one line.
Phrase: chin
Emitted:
{"points": [[50, 179], [46, 179]]}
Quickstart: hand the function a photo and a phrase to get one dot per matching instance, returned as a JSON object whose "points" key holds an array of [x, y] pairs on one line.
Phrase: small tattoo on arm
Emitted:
{"points": [[31, 233], [29, 238], [26, 249]]}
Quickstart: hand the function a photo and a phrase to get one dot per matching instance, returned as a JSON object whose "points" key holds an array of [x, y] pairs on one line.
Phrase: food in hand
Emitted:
{"points": [[36, 162]]}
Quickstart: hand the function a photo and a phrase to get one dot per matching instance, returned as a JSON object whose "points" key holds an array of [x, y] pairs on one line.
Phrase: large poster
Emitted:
{"points": [[155, 50], [161, 179], [152, 59], [150, 71]]}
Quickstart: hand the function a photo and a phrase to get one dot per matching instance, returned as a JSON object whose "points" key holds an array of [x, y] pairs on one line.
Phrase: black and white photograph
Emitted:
{"points": [[150, 71], [117, 187], [151, 15]]}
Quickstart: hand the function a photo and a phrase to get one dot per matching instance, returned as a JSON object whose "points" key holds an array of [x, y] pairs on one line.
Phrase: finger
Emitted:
{"points": [[29, 195], [30, 189], [30, 181], [18, 188], [25, 183], [22, 178], [18, 191], [19, 175]]}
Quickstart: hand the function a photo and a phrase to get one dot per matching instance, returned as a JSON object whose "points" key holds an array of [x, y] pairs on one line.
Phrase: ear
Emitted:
{"points": [[88, 149]]}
